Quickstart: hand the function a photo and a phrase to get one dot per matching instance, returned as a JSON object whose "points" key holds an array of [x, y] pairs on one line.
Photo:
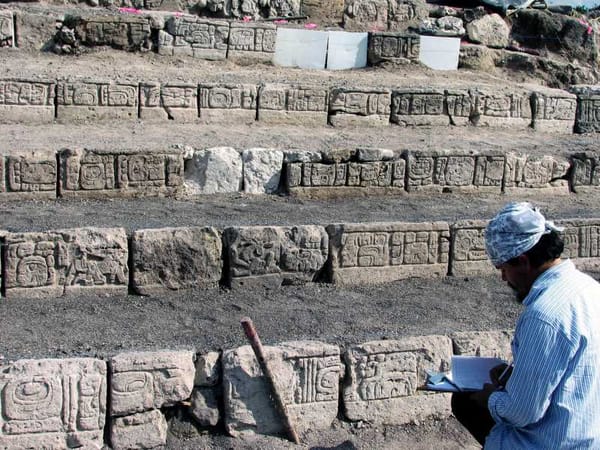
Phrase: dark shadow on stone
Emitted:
{"points": [[346, 445]]}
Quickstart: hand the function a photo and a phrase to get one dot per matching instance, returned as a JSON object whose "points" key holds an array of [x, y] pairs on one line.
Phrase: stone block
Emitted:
{"points": [[272, 256], [7, 29], [66, 262], [87, 173], [214, 170], [175, 258], [350, 107], [251, 41], [142, 381], [142, 430], [454, 171], [26, 101], [35, 29], [228, 103], [253, 8], [459, 105], [554, 111], [294, 105], [171, 101], [384, 376], [366, 15], [494, 344], [419, 106], [91, 101], [122, 31], [381, 252], [374, 154], [587, 117], [406, 14], [582, 242], [394, 47], [585, 173], [307, 374], [300, 156], [31, 175], [501, 108], [536, 172], [208, 369], [468, 255], [192, 36], [490, 30], [53, 403], [205, 406], [262, 170]]}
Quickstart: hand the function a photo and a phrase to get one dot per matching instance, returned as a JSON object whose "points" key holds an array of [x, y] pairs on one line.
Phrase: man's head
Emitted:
{"points": [[521, 243]]}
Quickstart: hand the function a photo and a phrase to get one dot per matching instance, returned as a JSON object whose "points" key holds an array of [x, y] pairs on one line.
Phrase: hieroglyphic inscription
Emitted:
{"points": [[26, 100], [91, 173], [419, 107], [178, 102], [275, 254], [366, 15], [587, 119], [222, 103], [496, 344], [122, 31], [7, 29], [316, 379], [33, 175], [393, 46], [582, 242], [459, 106], [252, 40], [524, 171], [585, 174], [386, 375], [501, 109], [406, 13], [292, 104], [359, 106], [52, 401], [554, 112], [90, 100], [66, 261], [468, 249], [191, 36]]}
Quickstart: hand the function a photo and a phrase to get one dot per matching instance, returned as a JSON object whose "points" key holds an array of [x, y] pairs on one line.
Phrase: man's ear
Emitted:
{"points": [[523, 261]]}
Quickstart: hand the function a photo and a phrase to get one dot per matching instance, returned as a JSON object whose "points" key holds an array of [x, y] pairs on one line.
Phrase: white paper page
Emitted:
{"points": [[472, 372]]}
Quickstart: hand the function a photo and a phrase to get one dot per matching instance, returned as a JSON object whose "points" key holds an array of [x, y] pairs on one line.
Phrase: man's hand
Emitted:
{"points": [[481, 397], [497, 375]]}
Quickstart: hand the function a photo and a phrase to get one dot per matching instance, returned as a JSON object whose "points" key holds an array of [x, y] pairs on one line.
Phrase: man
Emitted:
{"points": [[552, 398]]}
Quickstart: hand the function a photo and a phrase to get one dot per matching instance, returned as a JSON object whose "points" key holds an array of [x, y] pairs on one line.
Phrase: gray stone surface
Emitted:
{"points": [[468, 257], [538, 172], [307, 374], [227, 103], [406, 14], [205, 406], [419, 107], [143, 430], [171, 101], [375, 154], [88, 173], [384, 377], [483, 343], [366, 15], [588, 108], [166, 259], [301, 156], [585, 173], [208, 369], [491, 30], [52, 403], [293, 105], [253, 8], [381, 252], [66, 262], [214, 170], [554, 111], [262, 170], [142, 381], [392, 46], [581, 238], [349, 107], [122, 31], [26, 101], [32, 175], [35, 29], [251, 41], [192, 36], [501, 108], [273, 256], [7, 29], [443, 26]]}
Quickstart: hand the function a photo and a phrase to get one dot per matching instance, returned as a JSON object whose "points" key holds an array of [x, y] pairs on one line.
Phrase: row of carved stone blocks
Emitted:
{"points": [[99, 260], [66, 403], [180, 171], [35, 101]]}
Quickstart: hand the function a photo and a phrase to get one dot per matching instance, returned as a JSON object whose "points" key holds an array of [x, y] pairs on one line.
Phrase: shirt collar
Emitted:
{"points": [[541, 282]]}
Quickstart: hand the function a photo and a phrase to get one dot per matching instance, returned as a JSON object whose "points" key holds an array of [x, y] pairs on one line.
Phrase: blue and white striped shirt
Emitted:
{"points": [[552, 399]]}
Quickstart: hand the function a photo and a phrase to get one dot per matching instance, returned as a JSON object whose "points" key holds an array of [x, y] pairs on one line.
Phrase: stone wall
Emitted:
{"points": [[89, 403]]}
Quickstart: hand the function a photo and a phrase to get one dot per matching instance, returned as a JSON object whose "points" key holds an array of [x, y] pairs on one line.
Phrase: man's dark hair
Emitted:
{"points": [[549, 247]]}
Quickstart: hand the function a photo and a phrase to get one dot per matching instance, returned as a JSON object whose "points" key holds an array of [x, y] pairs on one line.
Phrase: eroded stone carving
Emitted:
{"points": [[384, 377], [585, 175], [149, 380], [252, 8], [253, 41], [587, 118], [95, 100], [192, 36], [177, 102], [50, 403], [224, 103], [307, 374], [499, 109], [404, 14], [7, 29], [391, 46], [352, 107], [532, 172], [213, 170], [63, 262], [483, 343], [26, 101], [142, 430], [554, 111], [377, 252], [30, 176], [91, 173], [288, 104], [262, 170], [122, 31], [366, 15], [582, 242], [419, 107], [468, 249], [275, 255], [175, 258]]}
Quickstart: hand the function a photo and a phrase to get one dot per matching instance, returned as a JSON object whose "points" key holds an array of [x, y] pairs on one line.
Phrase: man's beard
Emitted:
{"points": [[519, 296]]}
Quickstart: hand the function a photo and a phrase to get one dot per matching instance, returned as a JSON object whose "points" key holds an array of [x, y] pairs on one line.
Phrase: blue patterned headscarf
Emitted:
{"points": [[514, 230]]}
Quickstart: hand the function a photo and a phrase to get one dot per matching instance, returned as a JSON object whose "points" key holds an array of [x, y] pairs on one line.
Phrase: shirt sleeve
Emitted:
{"points": [[541, 358]]}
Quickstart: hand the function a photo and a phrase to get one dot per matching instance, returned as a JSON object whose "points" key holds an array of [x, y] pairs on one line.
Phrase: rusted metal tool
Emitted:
{"points": [[252, 336]]}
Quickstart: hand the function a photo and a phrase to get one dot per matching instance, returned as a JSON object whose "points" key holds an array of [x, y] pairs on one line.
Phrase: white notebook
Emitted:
{"points": [[469, 373]]}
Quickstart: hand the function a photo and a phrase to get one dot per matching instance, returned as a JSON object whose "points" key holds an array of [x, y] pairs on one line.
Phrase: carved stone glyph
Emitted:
{"points": [[536, 172], [406, 14], [307, 374], [214, 170], [227, 103], [582, 242], [275, 255], [361, 106], [142, 430], [262, 170], [252, 41], [90, 101], [64, 262], [149, 380], [554, 111], [121, 31], [175, 258], [501, 109], [383, 378], [381, 252], [7, 29], [483, 343], [395, 47], [172, 101], [295, 105], [366, 15], [468, 249], [49, 403], [454, 171], [585, 173], [31, 175], [191, 36], [587, 119], [86, 173], [419, 107], [26, 101]]}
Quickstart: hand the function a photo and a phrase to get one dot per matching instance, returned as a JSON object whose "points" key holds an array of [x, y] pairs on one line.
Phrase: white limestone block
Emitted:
{"points": [[439, 53], [214, 170], [347, 50], [208, 369], [306, 49], [262, 170]]}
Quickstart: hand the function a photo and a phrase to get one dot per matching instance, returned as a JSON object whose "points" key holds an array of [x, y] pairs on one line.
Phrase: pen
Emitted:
{"points": [[504, 373], [453, 384]]}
